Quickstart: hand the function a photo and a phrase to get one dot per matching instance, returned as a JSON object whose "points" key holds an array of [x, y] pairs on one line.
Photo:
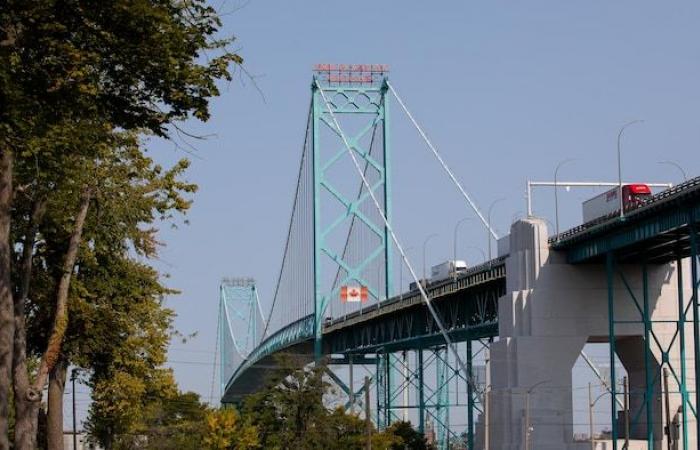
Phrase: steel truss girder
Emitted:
{"points": [[432, 401], [469, 314], [664, 227], [687, 311]]}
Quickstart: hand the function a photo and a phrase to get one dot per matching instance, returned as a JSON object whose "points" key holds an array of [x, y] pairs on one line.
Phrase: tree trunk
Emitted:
{"points": [[26, 417], [60, 321], [7, 327], [28, 396], [109, 440], [25, 410], [54, 422]]}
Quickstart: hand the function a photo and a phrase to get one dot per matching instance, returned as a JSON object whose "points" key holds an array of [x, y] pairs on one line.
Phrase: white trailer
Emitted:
{"points": [[609, 202], [446, 270]]}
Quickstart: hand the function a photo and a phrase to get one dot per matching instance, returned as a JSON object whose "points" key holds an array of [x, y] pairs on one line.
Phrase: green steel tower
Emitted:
{"points": [[351, 245]]}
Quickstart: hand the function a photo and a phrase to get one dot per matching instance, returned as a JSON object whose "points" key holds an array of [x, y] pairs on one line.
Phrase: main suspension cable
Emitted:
{"points": [[443, 164]]}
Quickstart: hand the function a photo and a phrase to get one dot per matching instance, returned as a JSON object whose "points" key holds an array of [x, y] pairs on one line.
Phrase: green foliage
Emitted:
{"points": [[135, 63], [227, 431], [171, 422], [290, 414], [410, 438]]}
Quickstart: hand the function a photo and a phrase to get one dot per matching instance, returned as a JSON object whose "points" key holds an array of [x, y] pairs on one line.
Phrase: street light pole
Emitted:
{"points": [[483, 254], [75, 427], [527, 412], [454, 246], [556, 193], [591, 404], [401, 272], [619, 165], [590, 416], [489, 221], [425, 244], [677, 166]]}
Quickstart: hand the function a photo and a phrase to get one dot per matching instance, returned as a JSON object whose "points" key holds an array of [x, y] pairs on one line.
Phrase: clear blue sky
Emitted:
{"points": [[504, 89]]}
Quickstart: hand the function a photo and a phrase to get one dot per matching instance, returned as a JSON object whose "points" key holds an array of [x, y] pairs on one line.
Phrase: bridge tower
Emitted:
{"points": [[351, 245], [240, 323]]}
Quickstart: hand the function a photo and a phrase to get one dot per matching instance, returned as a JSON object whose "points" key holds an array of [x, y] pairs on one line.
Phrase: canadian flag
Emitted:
{"points": [[354, 294]]}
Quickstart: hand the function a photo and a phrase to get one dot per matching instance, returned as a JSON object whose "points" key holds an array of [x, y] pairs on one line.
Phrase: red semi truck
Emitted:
{"points": [[608, 202]]}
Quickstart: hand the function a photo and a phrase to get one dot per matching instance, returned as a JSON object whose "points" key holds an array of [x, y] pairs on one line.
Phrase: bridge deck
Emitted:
{"points": [[467, 304], [657, 230]]}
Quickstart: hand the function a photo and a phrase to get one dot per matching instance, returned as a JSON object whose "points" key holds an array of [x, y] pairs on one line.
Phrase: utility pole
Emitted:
{"points": [[626, 388], [368, 417], [75, 429], [668, 410], [527, 420], [487, 395], [590, 416]]}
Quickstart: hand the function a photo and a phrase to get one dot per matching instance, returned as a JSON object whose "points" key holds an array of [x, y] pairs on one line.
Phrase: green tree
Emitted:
{"points": [[410, 438], [119, 330], [290, 413], [225, 430], [79, 65]]}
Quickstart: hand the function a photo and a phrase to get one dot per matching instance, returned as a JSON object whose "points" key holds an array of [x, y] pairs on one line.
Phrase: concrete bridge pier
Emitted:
{"points": [[551, 309]]}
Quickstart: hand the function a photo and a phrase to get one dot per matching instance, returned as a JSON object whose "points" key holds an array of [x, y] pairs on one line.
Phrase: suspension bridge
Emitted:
{"points": [[630, 281]]}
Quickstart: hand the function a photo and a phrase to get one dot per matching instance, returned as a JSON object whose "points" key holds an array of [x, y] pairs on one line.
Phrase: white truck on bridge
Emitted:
{"points": [[446, 270]]}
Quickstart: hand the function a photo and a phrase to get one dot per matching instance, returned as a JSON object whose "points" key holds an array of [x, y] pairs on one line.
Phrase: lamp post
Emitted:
{"points": [[619, 165], [556, 193], [527, 412], [425, 244], [591, 404], [677, 166], [454, 245], [74, 375], [405, 251], [489, 221], [474, 247]]}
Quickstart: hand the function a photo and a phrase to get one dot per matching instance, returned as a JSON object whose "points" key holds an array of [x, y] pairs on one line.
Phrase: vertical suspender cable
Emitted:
{"points": [[443, 164], [260, 310], [289, 230], [389, 228]]}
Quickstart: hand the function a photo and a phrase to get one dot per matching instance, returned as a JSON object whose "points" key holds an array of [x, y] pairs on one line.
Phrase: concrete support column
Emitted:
{"points": [[551, 309]]}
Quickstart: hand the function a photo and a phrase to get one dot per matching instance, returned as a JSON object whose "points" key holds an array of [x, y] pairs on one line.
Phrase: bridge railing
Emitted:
{"points": [[295, 332]]}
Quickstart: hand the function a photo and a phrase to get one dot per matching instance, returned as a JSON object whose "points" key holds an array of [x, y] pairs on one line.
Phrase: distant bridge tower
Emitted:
{"points": [[240, 323]]}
